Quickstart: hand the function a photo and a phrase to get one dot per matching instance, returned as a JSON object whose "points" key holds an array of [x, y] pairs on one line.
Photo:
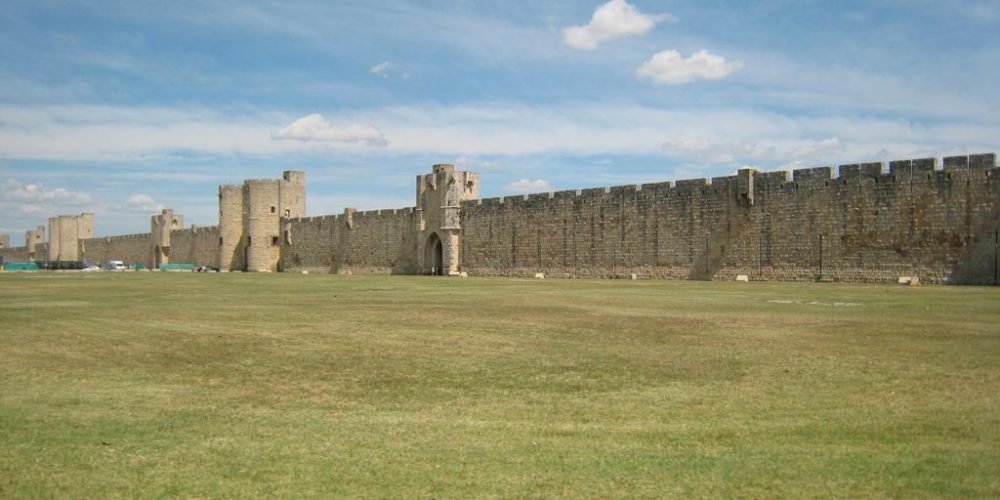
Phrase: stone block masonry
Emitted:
{"points": [[865, 225], [375, 242], [66, 232], [859, 222]]}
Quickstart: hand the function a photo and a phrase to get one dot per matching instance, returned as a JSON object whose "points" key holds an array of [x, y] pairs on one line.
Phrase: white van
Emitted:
{"points": [[115, 265]]}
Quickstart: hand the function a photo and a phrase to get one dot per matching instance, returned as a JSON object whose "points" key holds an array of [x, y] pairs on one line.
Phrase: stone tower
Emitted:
{"points": [[4, 240], [439, 198], [65, 233], [33, 238], [160, 227], [251, 220], [232, 248]]}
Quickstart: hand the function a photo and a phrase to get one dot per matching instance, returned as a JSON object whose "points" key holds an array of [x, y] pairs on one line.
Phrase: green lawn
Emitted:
{"points": [[289, 385]]}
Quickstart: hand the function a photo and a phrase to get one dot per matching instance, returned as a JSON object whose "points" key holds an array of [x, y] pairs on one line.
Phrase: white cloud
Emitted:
{"points": [[669, 67], [316, 128], [142, 202], [15, 190], [36, 198], [529, 186], [614, 19]]}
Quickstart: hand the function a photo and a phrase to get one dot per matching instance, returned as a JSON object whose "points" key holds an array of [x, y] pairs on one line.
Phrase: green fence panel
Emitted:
{"points": [[21, 266]]}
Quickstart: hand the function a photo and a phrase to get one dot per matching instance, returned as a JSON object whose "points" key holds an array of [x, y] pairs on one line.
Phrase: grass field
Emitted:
{"points": [[251, 385]]}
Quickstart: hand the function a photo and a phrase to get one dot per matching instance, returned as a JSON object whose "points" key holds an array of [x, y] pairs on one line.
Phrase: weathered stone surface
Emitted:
{"points": [[866, 225]]}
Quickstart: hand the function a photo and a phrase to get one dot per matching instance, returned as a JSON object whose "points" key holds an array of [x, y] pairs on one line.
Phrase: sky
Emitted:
{"points": [[122, 108]]}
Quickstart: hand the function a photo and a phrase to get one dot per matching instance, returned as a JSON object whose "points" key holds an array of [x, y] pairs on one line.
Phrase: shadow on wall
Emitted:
{"points": [[978, 262]]}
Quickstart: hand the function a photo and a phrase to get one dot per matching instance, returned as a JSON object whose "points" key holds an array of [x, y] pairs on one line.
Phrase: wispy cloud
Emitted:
{"points": [[493, 130], [529, 186], [614, 19], [388, 70], [381, 69], [779, 151], [141, 202]]}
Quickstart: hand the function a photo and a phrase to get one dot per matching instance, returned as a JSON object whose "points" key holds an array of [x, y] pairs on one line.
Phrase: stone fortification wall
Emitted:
{"points": [[130, 248], [869, 225], [24, 254], [195, 245], [373, 242], [199, 246], [14, 254]]}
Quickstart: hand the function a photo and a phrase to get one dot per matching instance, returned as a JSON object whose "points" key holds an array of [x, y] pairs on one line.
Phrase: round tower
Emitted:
{"points": [[231, 228], [262, 198]]}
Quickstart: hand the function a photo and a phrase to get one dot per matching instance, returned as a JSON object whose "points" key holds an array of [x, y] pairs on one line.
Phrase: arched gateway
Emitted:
{"points": [[434, 256], [439, 204]]}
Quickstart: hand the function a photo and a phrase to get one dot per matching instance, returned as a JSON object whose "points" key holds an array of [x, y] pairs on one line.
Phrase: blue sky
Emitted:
{"points": [[122, 108]]}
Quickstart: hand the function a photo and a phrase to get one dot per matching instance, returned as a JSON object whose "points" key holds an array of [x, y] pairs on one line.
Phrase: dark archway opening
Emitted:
{"points": [[434, 255]]}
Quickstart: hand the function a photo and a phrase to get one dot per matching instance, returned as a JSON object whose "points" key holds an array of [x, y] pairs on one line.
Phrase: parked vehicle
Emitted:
{"points": [[115, 265]]}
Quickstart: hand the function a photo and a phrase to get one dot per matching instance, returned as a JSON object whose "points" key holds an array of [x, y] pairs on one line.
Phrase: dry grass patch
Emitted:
{"points": [[246, 385]]}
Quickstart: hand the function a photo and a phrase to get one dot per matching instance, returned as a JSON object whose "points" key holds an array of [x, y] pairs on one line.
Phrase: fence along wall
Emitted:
{"points": [[373, 242], [864, 225]]}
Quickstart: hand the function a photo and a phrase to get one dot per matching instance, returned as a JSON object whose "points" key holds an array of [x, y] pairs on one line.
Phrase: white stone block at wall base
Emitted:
{"points": [[742, 277], [539, 276]]}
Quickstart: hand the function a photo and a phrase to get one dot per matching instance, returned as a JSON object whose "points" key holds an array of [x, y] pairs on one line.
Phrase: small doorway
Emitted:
{"points": [[434, 256]]}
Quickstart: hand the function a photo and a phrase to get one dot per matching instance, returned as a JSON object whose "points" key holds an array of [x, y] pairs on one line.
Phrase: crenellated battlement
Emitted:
{"points": [[817, 177], [938, 219]]}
